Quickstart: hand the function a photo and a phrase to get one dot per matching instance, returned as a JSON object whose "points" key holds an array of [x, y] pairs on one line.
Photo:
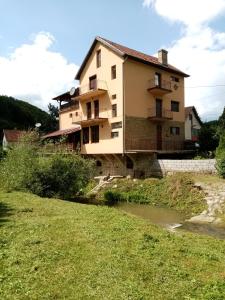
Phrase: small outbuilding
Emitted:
{"points": [[11, 137], [193, 124]]}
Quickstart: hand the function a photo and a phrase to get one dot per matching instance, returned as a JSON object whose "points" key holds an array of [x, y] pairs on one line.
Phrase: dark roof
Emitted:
{"points": [[190, 109], [64, 96], [12, 135], [130, 53], [62, 132]]}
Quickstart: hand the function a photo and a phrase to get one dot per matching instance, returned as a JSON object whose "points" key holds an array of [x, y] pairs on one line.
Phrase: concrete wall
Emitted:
{"points": [[164, 166]]}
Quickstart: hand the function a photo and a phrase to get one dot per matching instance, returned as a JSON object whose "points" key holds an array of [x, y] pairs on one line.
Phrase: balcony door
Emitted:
{"points": [[93, 82], [159, 137], [158, 107], [88, 109], [96, 109], [158, 79]]}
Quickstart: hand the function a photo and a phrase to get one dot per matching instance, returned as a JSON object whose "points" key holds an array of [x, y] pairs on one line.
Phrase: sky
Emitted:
{"points": [[43, 43]]}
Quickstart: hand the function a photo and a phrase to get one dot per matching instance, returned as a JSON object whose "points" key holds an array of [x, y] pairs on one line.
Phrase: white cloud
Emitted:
{"points": [[34, 73], [200, 51]]}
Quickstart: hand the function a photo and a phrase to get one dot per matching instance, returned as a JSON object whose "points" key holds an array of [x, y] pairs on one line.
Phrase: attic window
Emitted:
{"points": [[98, 58], [113, 72], [173, 78]]}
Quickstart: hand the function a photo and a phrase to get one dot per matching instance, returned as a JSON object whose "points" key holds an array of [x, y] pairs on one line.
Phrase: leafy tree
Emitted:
{"points": [[208, 136]]}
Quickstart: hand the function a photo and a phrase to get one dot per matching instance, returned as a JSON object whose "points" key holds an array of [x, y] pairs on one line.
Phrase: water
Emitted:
{"points": [[170, 219]]}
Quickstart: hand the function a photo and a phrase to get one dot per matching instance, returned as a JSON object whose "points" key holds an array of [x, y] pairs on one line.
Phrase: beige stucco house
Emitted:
{"points": [[128, 107], [193, 124]]}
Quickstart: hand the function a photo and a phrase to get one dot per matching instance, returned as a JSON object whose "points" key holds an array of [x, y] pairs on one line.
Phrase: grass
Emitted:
{"points": [[177, 192], [52, 249]]}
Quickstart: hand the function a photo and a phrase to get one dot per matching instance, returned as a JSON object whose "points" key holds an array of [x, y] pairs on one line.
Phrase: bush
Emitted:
{"points": [[220, 155], [53, 176], [112, 197], [61, 176]]}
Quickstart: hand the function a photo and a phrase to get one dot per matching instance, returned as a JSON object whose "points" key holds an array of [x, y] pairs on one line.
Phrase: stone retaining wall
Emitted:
{"points": [[164, 166]]}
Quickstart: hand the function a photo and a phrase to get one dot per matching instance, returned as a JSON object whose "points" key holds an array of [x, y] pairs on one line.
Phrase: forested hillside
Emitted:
{"points": [[22, 115]]}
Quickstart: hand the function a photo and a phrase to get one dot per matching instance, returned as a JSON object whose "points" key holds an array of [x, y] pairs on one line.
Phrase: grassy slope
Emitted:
{"points": [[177, 192], [52, 249]]}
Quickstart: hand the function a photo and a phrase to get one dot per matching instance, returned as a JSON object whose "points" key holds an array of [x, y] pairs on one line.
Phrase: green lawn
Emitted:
{"points": [[51, 249]]}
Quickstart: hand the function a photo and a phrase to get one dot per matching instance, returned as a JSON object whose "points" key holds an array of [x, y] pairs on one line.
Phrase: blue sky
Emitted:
{"points": [[74, 24], [42, 43]]}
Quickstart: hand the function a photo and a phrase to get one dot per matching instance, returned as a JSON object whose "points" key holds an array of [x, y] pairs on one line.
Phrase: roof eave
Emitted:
{"points": [[158, 66]]}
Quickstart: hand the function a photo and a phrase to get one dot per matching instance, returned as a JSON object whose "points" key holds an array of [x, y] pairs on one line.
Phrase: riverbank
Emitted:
{"points": [[52, 249], [177, 192]]}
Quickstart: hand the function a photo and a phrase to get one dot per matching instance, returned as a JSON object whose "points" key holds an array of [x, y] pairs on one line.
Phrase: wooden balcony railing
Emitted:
{"points": [[159, 88], [95, 88], [151, 144], [164, 114]]}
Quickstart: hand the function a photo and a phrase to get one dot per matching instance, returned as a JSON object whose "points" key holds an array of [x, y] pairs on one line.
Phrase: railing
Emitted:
{"points": [[62, 147], [152, 144], [161, 114], [71, 104], [95, 85], [163, 84], [81, 117]]}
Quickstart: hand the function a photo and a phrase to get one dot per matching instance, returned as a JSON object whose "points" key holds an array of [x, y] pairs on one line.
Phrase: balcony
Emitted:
{"points": [[152, 145], [93, 89], [159, 88], [72, 105], [159, 115], [91, 120]]}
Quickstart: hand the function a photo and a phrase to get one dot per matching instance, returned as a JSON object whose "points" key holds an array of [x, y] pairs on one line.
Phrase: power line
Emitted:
{"points": [[205, 86]]}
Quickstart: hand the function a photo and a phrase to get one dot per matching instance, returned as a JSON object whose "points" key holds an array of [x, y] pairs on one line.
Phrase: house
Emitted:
{"points": [[11, 137], [193, 124], [129, 106]]}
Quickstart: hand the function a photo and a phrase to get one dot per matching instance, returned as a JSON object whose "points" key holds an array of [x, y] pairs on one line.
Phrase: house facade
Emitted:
{"points": [[128, 107], [11, 137], [193, 124]]}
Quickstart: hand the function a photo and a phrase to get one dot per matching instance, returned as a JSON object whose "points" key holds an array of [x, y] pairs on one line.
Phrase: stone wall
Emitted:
{"points": [[164, 166]]}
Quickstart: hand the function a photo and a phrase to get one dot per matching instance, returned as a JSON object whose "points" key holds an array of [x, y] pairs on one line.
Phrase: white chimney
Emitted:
{"points": [[162, 57]]}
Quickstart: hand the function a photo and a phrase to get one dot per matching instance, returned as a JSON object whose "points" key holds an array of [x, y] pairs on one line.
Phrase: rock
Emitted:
{"points": [[202, 219]]}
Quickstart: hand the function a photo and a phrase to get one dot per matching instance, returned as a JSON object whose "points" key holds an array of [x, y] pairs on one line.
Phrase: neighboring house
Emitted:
{"points": [[193, 124], [11, 137], [129, 106]]}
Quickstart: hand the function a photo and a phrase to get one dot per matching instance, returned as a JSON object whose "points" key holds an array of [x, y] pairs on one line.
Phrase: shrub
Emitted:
{"points": [[220, 155], [50, 176], [61, 176], [112, 197]]}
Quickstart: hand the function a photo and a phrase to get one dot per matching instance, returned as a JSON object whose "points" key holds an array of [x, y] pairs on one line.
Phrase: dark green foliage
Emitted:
{"points": [[221, 121], [112, 197], [208, 136], [61, 176], [22, 115], [57, 175], [220, 155]]}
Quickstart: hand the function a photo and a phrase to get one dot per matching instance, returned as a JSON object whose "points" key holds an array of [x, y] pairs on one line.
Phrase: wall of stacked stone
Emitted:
{"points": [[163, 166]]}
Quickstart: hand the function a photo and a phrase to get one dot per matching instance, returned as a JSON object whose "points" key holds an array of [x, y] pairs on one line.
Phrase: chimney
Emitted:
{"points": [[162, 56]]}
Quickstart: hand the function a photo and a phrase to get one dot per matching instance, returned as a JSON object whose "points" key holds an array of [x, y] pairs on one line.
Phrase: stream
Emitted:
{"points": [[170, 219]]}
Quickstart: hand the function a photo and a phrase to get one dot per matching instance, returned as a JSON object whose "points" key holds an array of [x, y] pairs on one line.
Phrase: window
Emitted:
{"points": [[113, 72], [98, 58], [85, 131], [157, 79], [175, 106], [190, 117], [93, 82], [76, 113], [114, 110], [88, 110], [95, 134], [114, 96], [70, 115], [96, 109], [116, 125], [114, 134], [98, 163], [173, 78], [175, 130]]}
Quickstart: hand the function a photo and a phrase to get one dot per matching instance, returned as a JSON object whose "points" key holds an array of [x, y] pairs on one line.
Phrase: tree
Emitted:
{"points": [[208, 136]]}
